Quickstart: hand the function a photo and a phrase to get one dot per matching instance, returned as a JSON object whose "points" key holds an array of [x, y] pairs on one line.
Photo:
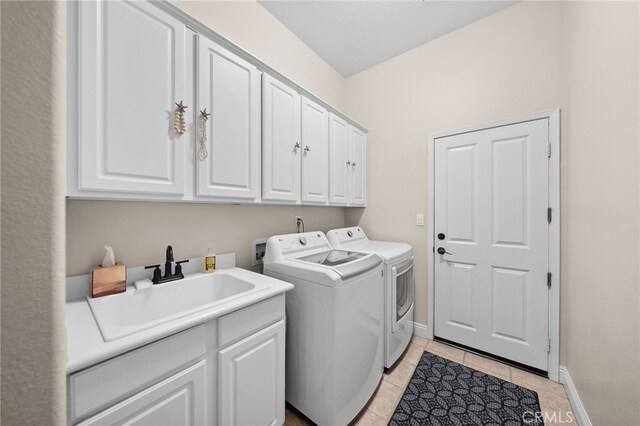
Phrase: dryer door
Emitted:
{"points": [[402, 289]]}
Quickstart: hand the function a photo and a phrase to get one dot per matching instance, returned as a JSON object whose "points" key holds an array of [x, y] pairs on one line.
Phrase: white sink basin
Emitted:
{"points": [[136, 310]]}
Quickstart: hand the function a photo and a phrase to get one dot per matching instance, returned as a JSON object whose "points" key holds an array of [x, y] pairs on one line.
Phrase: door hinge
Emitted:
{"points": [[549, 279], [549, 152], [382, 273], [549, 214], [548, 345]]}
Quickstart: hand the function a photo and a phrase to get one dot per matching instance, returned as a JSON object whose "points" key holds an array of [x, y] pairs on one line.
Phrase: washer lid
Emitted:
{"points": [[345, 263], [333, 257]]}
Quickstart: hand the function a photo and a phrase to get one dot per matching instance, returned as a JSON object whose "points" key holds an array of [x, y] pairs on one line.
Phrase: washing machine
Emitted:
{"points": [[335, 325], [399, 285]]}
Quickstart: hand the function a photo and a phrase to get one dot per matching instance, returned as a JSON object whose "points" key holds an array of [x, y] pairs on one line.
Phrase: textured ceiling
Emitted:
{"points": [[355, 35]]}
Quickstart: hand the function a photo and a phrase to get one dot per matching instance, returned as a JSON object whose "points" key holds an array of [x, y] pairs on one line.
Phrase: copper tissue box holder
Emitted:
{"points": [[106, 281]]}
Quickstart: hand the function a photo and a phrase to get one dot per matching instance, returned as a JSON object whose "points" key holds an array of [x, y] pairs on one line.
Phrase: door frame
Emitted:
{"points": [[554, 228]]}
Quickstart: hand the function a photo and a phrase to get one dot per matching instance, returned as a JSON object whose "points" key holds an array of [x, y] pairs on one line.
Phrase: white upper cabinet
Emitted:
{"points": [[358, 166], [131, 73], [315, 155], [347, 163], [267, 140], [339, 162], [229, 90], [281, 148]]}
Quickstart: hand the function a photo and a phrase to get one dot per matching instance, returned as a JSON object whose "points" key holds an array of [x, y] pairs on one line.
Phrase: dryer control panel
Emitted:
{"points": [[345, 235]]}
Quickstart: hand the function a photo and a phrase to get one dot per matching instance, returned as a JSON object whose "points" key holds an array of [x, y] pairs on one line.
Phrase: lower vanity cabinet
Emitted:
{"points": [[227, 371], [251, 379], [177, 400]]}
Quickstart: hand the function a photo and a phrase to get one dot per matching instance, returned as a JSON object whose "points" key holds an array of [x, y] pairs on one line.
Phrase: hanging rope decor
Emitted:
{"points": [[179, 125], [202, 152]]}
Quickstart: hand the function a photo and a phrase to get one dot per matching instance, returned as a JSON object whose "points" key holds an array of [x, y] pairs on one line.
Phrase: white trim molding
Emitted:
{"points": [[422, 330], [578, 409], [553, 117]]}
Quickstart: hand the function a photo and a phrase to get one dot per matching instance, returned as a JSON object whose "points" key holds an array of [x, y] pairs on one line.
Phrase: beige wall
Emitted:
{"points": [[582, 57], [139, 232], [600, 188], [33, 176], [503, 66]]}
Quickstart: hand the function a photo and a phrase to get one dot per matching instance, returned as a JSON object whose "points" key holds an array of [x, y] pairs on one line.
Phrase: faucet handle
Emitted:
{"points": [[157, 273], [179, 266]]}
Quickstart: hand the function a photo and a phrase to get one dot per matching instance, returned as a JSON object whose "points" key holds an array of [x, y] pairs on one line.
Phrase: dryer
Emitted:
{"points": [[399, 285], [335, 325]]}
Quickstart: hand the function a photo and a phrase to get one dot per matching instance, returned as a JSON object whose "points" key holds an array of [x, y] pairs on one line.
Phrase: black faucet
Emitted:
{"points": [[167, 262], [168, 275]]}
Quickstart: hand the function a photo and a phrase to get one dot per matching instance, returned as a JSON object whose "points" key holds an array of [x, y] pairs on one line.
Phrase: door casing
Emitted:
{"points": [[554, 227]]}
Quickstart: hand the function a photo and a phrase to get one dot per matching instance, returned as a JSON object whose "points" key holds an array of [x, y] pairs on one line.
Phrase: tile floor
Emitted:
{"points": [[553, 399]]}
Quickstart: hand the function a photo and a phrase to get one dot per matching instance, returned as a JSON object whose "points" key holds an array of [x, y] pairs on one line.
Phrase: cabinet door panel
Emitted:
{"points": [[229, 89], [251, 379], [358, 167], [315, 156], [281, 133], [178, 400], [338, 158], [131, 73]]}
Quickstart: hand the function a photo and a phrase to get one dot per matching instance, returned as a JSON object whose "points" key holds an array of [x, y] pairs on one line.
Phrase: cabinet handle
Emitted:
{"points": [[306, 148], [179, 124]]}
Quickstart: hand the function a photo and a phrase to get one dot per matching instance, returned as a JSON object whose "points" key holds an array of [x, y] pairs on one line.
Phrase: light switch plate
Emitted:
{"points": [[419, 219]]}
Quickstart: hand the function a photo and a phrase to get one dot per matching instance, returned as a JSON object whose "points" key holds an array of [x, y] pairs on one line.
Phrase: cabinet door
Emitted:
{"points": [[281, 141], [339, 160], [315, 155], [178, 400], [229, 89], [358, 150], [131, 73], [251, 379]]}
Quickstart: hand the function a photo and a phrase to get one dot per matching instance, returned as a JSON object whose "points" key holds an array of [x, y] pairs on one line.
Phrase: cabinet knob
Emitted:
{"points": [[306, 148], [348, 163], [354, 164], [296, 147]]}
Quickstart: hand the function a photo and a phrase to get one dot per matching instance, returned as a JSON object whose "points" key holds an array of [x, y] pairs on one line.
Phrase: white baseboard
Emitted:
{"points": [[578, 409], [422, 330]]}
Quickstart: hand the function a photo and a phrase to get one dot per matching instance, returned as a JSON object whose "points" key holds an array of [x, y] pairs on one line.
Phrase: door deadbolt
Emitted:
{"points": [[441, 236]]}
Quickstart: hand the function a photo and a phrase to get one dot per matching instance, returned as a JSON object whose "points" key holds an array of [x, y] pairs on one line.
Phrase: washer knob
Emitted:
{"points": [[350, 233], [303, 241]]}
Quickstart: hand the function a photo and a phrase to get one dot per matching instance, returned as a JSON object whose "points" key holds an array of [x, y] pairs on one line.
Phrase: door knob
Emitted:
{"points": [[441, 250]]}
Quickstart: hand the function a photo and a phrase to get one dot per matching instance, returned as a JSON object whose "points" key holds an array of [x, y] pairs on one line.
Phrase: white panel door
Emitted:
{"points": [[251, 379], [281, 148], [491, 199], [131, 74], [358, 170], [339, 161], [229, 89], [315, 153], [178, 400]]}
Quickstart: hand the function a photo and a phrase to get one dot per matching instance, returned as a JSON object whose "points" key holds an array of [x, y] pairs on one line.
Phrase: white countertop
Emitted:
{"points": [[86, 346]]}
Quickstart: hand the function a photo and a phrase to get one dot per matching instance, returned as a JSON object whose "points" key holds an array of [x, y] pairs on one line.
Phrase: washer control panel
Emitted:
{"points": [[283, 245]]}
